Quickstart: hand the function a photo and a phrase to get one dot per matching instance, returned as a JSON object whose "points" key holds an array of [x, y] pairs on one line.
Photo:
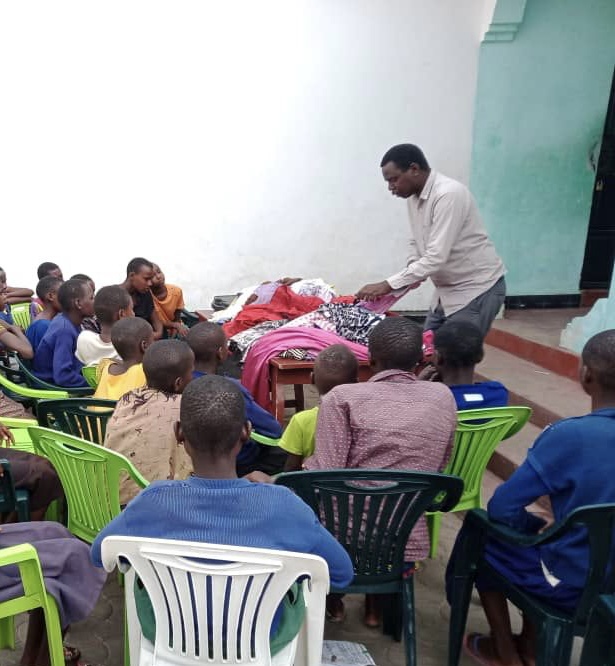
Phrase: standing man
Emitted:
{"points": [[448, 244], [138, 282]]}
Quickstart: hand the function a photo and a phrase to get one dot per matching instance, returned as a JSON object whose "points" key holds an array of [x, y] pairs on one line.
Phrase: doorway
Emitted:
{"points": [[600, 245]]}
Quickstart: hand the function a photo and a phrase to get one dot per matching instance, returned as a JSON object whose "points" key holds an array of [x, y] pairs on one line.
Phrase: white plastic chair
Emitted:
{"points": [[229, 594]]}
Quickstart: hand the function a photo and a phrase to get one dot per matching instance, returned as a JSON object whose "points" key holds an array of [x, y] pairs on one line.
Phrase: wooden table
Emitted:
{"points": [[285, 371]]}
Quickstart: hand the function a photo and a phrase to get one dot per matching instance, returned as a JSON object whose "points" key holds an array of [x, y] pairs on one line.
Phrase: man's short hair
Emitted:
{"points": [[205, 339], [405, 154], [69, 292], [46, 285], [335, 365], [82, 276], [135, 265], [396, 343], [46, 268], [599, 356], [109, 301], [212, 414], [459, 343], [164, 361], [128, 333]]}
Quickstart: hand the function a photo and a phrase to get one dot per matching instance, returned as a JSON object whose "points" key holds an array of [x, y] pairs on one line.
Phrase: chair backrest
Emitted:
{"points": [[22, 391], [90, 373], [8, 500], [372, 512], [21, 314], [19, 429], [34, 382], [599, 643], [82, 417], [215, 604], [90, 476], [478, 433]]}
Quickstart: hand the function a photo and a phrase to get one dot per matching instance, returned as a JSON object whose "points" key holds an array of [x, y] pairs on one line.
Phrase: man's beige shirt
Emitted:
{"points": [[449, 244]]}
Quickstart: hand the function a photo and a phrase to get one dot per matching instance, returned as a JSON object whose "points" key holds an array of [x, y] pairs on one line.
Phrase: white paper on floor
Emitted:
{"points": [[345, 653]]}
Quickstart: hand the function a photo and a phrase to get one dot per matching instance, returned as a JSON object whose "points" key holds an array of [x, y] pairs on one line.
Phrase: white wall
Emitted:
{"points": [[230, 142]]}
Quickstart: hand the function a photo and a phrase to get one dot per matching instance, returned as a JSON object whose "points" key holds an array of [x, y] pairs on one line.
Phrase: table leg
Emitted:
{"points": [[299, 398]]}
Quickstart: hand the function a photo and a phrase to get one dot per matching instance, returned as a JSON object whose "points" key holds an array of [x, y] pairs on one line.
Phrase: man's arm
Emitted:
{"points": [[447, 219], [333, 435], [14, 339], [17, 295]]}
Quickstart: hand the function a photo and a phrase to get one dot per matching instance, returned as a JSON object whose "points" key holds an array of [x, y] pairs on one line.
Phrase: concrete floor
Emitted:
{"points": [[543, 326]]}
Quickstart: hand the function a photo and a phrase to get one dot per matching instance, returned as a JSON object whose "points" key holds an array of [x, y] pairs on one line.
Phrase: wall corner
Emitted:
{"points": [[507, 19]]}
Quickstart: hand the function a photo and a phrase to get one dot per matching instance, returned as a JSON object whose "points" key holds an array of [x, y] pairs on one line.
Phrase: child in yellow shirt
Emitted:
{"points": [[333, 366], [130, 336]]}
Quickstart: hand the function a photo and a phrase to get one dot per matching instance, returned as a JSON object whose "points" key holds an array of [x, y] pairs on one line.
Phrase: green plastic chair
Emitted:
{"points": [[26, 395], [478, 434], [34, 382], [599, 644], [90, 373], [35, 595], [81, 417], [371, 513], [90, 476], [21, 314], [12, 499], [19, 428], [555, 629]]}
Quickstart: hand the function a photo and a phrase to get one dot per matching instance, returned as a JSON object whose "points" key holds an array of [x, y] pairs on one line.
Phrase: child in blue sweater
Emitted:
{"points": [[54, 360], [217, 507], [47, 293], [573, 463]]}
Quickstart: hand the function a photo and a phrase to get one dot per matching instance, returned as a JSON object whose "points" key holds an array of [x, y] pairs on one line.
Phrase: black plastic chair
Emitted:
{"points": [[34, 382], [599, 645], [555, 629], [371, 513], [10, 498], [85, 418]]}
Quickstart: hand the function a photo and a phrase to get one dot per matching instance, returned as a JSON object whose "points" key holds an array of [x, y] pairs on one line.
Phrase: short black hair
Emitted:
{"points": [[82, 276], [335, 365], [128, 333], [459, 343], [134, 265], [405, 154], [599, 356], [164, 361], [45, 268], [46, 285], [69, 292], [212, 414], [109, 301], [205, 339], [396, 343]]}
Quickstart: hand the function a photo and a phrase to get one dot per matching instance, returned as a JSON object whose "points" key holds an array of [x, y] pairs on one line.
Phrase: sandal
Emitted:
{"points": [[71, 654], [470, 647]]}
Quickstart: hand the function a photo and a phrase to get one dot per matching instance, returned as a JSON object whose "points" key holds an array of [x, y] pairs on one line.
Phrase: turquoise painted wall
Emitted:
{"points": [[540, 107]]}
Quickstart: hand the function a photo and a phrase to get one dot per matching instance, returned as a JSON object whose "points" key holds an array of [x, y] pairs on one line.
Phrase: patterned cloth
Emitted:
{"points": [[298, 354], [352, 322], [392, 421], [242, 342]]}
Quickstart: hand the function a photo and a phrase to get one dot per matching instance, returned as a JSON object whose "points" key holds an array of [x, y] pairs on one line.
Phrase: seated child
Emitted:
{"points": [[333, 366], [222, 508], [11, 295], [458, 349], [573, 463], [47, 293], [168, 303], [209, 344], [55, 360], [49, 268], [110, 305], [138, 282], [142, 424], [130, 336], [12, 338], [88, 323]]}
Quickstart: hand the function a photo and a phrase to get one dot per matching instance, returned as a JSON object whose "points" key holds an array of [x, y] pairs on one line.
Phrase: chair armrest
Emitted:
{"points": [[262, 439], [137, 477], [18, 554]]}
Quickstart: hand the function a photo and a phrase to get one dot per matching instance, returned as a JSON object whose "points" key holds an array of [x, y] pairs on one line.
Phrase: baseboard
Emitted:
{"points": [[543, 301]]}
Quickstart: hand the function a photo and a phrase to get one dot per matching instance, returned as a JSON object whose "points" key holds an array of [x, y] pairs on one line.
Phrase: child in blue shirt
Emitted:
{"points": [[47, 293], [214, 505], [55, 360], [573, 463], [458, 348]]}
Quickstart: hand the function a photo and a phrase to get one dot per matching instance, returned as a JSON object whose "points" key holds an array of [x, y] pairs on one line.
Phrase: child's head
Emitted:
{"points": [[111, 304], [458, 344], [335, 365], [2, 280], [212, 417], [396, 343], [208, 342], [598, 364], [131, 336], [168, 365], [85, 278], [139, 274], [76, 296], [47, 292], [158, 277], [49, 268]]}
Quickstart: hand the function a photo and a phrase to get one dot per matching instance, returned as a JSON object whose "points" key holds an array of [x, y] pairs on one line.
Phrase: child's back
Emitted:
{"points": [[113, 387]]}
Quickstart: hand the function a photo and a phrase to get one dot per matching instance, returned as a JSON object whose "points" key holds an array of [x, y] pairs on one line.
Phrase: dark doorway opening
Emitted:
{"points": [[600, 245]]}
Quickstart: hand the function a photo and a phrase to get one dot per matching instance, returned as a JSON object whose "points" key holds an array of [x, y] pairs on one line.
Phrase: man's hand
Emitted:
{"points": [[371, 292]]}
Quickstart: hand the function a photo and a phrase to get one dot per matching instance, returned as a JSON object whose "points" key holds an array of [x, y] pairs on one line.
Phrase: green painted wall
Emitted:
{"points": [[540, 108]]}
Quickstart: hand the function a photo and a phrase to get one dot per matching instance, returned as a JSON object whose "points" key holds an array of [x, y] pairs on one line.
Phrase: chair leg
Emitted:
{"points": [[392, 616], [409, 626], [433, 525], [22, 504], [461, 594], [554, 643], [7, 633], [54, 632]]}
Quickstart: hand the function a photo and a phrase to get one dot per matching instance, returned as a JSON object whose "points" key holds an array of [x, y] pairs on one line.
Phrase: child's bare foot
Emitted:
{"points": [[526, 651], [335, 609], [373, 612], [482, 650]]}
